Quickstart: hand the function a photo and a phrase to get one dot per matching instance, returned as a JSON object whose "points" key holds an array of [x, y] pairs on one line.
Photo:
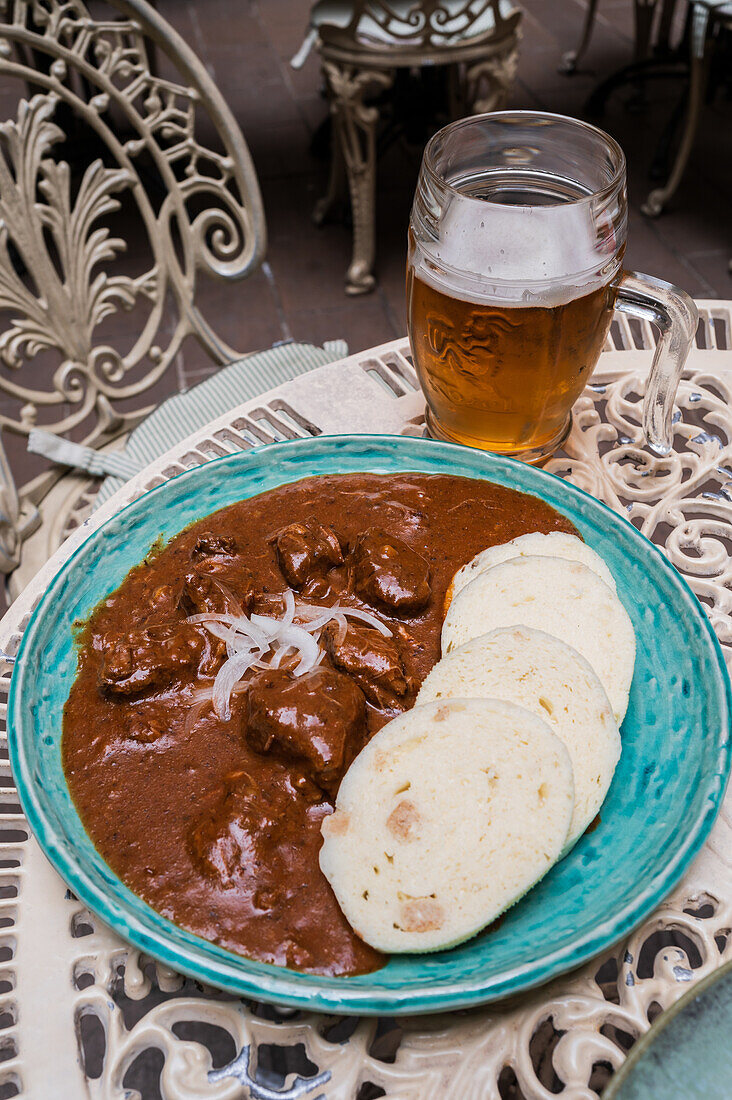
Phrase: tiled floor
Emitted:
{"points": [[246, 47]]}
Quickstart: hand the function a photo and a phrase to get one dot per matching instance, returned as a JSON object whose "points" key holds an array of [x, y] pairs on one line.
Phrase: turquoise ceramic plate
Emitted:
{"points": [[686, 1055], [663, 800]]}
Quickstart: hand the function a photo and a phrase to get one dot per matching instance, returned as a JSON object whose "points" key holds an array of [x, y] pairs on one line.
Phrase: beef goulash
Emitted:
{"points": [[203, 774]]}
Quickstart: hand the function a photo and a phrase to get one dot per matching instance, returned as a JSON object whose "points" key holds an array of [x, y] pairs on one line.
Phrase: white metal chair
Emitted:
{"points": [[100, 128], [708, 19], [644, 14]]}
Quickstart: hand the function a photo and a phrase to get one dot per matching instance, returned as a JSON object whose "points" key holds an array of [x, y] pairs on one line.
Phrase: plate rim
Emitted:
{"points": [[642, 1046], [280, 985]]}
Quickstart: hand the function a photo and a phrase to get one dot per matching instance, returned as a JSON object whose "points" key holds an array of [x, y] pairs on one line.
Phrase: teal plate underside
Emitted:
{"points": [[686, 1055], [664, 797]]}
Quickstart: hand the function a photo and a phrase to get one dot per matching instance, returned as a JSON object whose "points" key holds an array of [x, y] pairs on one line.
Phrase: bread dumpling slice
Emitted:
{"points": [[557, 544], [447, 817], [561, 597], [552, 680]]}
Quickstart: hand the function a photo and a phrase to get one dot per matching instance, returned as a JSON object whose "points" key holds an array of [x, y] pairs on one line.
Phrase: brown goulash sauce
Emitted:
{"points": [[217, 824]]}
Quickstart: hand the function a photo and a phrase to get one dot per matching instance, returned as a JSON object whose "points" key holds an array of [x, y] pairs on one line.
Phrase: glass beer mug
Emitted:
{"points": [[516, 245]]}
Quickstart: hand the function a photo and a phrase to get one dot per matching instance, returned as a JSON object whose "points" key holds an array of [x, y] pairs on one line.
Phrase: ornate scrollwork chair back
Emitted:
{"points": [[413, 24], [116, 119]]}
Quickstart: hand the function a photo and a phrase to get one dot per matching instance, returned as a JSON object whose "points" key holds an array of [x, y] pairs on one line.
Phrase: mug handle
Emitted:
{"points": [[675, 316]]}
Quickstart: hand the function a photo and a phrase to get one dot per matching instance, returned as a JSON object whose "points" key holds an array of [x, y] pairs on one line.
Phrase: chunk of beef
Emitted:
{"points": [[242, 837], [202, 593], [389, 573], [147, 728], [306, 552], [214, 546], [163, 601], [149, 658], [316, 721], [217, 559], [372, 660]]}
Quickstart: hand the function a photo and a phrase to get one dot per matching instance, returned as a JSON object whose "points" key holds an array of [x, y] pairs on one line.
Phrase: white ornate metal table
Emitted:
{"points": [[82, 1015]]}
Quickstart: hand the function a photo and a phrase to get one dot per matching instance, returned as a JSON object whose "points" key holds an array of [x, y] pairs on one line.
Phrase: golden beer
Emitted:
{"points": [[516, 243], [504, 377]]}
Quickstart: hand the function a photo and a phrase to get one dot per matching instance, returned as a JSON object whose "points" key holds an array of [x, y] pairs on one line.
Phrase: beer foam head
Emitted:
{"points": [[518, 255]]}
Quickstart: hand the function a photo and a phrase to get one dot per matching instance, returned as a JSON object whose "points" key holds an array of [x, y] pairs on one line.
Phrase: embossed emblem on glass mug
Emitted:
{"points": [[472, 347]]}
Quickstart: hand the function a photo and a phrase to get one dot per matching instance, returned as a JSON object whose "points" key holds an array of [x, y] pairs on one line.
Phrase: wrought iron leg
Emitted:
{"points": [[336, 190], [661, 164], [658, 198], [643, 12], [665, 23], [10, 513], [571, 60], [354, 131], [489, 81]]}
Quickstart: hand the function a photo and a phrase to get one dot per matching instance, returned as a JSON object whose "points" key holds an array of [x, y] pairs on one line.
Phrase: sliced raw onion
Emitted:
{"points": [[314, 617], [241, 624], [267, 625], [262, 664], [235, 643], [229, 595], [195, 713], [264, 642], [367, 617], [289, 602], [279, 656], [317, 623], [202, 695], [307, 611], [341, 628], [305, 643], [219, 631], [226, 634], [228, 675]]}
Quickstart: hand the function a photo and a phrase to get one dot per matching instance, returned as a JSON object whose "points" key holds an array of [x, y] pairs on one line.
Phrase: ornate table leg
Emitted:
{"points": [[658, 198], [643, 13], [354, 139], [665, 26], [489, 81], [336, 190], [570, 60]]}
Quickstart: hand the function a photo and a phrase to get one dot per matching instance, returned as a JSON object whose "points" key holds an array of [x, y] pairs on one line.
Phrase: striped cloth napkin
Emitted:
{"points": [[187, 412]]}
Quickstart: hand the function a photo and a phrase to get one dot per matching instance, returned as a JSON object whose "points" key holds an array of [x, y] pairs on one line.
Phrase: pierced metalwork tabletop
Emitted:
{"points": [[83, 1015]]}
